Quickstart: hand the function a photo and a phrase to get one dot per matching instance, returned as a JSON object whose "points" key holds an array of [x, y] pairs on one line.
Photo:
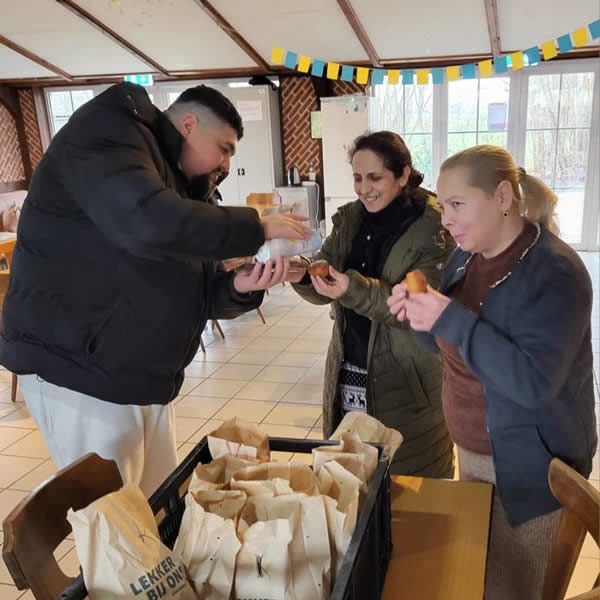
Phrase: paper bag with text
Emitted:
{"points": [[120, 551]]}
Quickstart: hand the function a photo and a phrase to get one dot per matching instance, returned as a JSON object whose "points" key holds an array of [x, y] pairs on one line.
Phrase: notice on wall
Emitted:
{"points": [[250, 110], [316, 125]]}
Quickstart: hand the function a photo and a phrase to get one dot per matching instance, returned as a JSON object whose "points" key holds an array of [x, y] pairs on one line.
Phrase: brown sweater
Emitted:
{"points": [[463, 395]]}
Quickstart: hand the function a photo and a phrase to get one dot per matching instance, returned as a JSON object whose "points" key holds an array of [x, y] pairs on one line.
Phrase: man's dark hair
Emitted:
{"points": [[214, 100]]}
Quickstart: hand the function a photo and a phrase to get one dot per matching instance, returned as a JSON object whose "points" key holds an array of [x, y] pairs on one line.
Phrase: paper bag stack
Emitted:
{"points": [[251, 529]]}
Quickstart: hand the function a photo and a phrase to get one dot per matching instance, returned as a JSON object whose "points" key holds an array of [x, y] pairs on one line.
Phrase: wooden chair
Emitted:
{"points": [[38, 524], [4, 278], [580, 515]]}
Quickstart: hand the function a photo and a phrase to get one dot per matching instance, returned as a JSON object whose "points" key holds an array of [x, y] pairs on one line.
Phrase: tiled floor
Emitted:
{"points": [[270, 374]]}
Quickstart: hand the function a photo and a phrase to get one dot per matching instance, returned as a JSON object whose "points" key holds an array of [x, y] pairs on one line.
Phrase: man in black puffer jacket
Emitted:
{"points": [[113, 275]]}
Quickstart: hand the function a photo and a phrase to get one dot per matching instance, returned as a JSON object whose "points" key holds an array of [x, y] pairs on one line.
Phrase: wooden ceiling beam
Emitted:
{"points": [[359, 31], [111, 34], [232, 32], [34, 58], [491, 15]]}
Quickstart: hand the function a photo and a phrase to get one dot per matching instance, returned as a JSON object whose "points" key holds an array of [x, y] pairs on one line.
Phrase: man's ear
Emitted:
{"points": [[188, 122]]}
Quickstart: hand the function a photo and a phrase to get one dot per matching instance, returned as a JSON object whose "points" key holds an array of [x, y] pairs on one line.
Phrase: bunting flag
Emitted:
{"points": [[516, 60], [485, 68]]}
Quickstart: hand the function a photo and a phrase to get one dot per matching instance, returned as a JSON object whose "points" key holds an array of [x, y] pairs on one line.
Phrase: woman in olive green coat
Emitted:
{"points": [[374, 363]]}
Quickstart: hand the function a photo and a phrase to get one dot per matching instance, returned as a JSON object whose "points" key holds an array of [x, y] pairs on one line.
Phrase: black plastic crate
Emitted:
{"points": [[362, 574]]}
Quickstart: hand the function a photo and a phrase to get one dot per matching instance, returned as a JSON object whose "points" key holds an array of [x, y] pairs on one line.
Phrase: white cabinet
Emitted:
{"points": [[257, 165], [343, 119]]}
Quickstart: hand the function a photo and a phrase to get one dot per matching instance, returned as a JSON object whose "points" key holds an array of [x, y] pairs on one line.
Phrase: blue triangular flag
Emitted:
{"points": [[408, 77], [594, 29]]}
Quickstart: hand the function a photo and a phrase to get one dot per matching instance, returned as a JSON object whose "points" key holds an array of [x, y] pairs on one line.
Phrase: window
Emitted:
{"points": [[408, 110], [64, 103], [559, 121], [477, 113]]}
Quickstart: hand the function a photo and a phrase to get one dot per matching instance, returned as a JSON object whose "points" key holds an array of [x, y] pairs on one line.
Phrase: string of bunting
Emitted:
{"points": [[485, 68]]}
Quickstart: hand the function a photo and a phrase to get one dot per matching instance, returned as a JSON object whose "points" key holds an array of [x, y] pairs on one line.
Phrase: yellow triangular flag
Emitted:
{"points": [[304, 64], [549, 50], [333, 70], [362, 75], [516, 59], [486, 68], [580, 37], [453, 73], [393, 76], [422, 76], [277, 56]]}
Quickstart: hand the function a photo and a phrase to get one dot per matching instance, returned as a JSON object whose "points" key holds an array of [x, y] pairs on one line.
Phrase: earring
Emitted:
{"points": [[505, 213]]}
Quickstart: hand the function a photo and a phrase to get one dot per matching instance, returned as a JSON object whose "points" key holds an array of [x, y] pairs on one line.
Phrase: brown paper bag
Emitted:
{"points": [[228, 504], [216, 474], [208, 546], [370, 430], [355, 456], [342, 489], [263, 565], [241, 439], [275, 479], [309, 554], [120, 551]]}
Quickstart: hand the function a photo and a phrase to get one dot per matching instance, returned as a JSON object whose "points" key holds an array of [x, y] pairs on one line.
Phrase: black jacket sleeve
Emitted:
{"points": [[111, 174], [226, 302]]}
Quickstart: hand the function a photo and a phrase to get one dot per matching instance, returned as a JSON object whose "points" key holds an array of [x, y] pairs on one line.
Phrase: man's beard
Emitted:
{"points": [[200, 187]]}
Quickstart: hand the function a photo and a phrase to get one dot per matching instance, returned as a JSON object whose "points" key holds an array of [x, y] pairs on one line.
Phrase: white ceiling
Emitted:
{"points": [[51, 31], [425, 28], [180, 36], [15, 66], [317, 28], [525, 23]]}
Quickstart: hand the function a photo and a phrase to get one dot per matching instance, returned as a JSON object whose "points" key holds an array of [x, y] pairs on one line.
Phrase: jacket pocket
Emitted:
{"points": [[97, 333], [401, 383]]}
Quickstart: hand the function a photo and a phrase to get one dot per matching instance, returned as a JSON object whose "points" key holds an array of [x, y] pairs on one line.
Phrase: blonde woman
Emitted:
{"points": [[512, 323]]}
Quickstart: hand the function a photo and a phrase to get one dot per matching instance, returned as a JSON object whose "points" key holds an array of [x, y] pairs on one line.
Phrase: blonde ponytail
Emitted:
{"points": [[538, 201], [488, 165]]}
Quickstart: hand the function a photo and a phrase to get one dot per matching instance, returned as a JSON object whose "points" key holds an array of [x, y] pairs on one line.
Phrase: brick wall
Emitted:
{"points": [[11, 163], [32, 127], [346, 88], [298, 99]]}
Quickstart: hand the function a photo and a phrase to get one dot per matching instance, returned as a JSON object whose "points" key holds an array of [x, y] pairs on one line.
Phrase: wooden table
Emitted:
{"points": [[440, 532], [7, 244]]}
